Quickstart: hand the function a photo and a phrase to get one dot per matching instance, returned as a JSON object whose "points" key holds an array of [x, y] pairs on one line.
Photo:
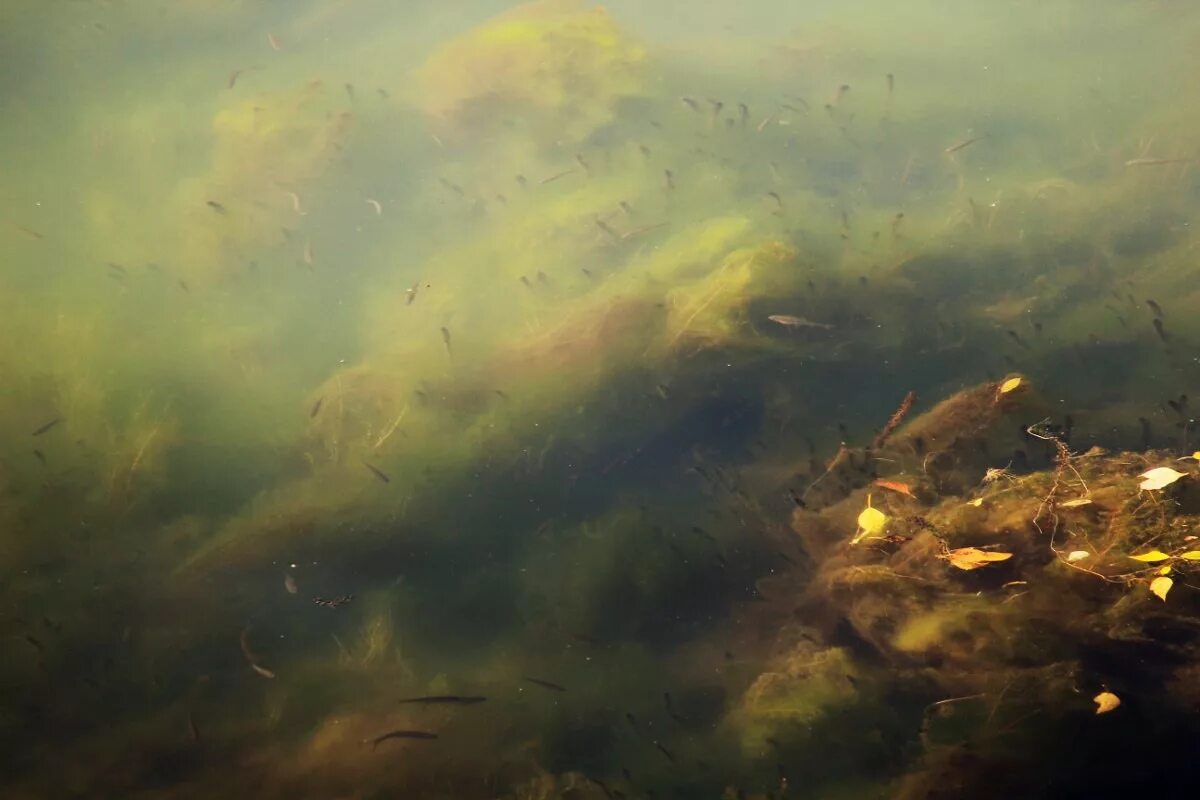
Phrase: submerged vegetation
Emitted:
{"points": [[498, 406]]}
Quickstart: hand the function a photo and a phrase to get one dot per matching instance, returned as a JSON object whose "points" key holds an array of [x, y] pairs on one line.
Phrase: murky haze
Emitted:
{"points": [[532, 362]]}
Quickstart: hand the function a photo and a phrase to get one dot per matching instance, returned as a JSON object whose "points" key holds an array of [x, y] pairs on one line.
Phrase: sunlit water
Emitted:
{"points": [[357, 351]]}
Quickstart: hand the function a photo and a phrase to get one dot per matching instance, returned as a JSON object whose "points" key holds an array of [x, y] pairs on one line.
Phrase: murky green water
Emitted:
{"points": [[353, 352]]}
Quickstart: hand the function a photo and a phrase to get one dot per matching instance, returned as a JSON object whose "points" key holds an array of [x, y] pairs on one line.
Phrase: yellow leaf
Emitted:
{"points": [[973, 558], [1009, 385], [870, 522], [1196, 455], [1151, 557], [1077, 555], [1165, 570], [1159, 477], [1076, 503], [1106, 702], [1191, 555], [977, 502], [1160, 587]]}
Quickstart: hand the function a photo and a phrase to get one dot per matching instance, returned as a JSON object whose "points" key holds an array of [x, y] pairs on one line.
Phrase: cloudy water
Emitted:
{"points": [[551, 400]]}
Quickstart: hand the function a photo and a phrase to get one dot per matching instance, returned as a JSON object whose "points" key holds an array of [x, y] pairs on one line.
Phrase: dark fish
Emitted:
{"points": [[377, 473], [316, 409], [412, 293], [33, 640], [690, 103], [184, 286], [333, 602], [522, 180], [401, 734], [631, 720], [446, 338], [1158, 328], [1016, 338], [791, 321], [670, 756], [47, 426], [215, 206], [454, 187], [587, 168], [382, 93], [444, 699], [545, 684], [525, 281], [233, 76], [1156, 308], [954, 148], [670, 177], [604, 226], [350, 90], [40, 456]]}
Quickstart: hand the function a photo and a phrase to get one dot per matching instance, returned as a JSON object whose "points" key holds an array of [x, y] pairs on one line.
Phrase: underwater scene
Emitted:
{"points": [[497, 400]]}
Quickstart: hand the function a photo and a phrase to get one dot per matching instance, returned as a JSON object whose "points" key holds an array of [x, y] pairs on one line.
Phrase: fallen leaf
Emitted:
{"points": [[1106, 702], [1151, 557], [1159, 477], [1191, 555], [870, 522], [977, 502], [1076, 503], [1077, 555], [973, 558], [1009, 385], [1160, 587], [1165, 570], [895, 486]]}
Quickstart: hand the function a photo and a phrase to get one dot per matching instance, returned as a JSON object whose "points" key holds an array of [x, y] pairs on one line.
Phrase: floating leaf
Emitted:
{"points": [[1151, 557], [1159, 477], [1010, 385], [1106, 702], [1165, 570], [1077, 555], [1160, 587], [1076, 503], [1191, 555], [977, 502], [974, 558], [895, 486], [870, 522]]}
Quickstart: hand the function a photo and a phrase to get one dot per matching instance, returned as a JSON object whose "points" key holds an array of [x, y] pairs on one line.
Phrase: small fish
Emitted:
{"points": [[670, 756], [48, 426], [891, 83], [670, 178], [954, 148], [376, 205], [233, 76], [791, 321], [1156, 308], [545, 684], [604, 226], [30, 232], [587, 169], [1158, 328], [316, 409], [382, 93], [401, 734], [763, 125], [183, 285], [1017, 338], [1156, 162], [690, 103], [333, 602], [377, 473], [454, 187], [743, 113], [266, 673], [296, 203], [40, 456], [215, 206], [523, 181], [412, 293], [444, 699], [193, 731], [308, 253], [289, 583], [446, 338], [271, 40], [556, 176], [778, 201], [349, 87]]}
